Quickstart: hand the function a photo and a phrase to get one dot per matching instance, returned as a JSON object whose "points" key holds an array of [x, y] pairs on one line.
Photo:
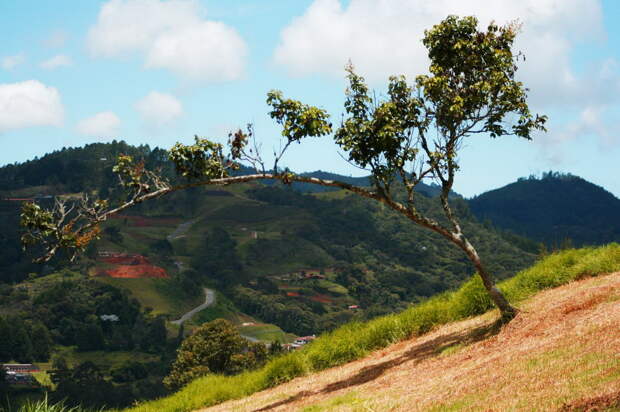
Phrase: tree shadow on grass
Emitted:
{"points": [[416, 354]]}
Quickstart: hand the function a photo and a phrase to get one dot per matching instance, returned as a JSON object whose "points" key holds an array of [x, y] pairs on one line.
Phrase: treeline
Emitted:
{"points": [[356, 231], [24, 341], [93, 386], [78, 169], [78, 312], [95, 316], [67, 310]]}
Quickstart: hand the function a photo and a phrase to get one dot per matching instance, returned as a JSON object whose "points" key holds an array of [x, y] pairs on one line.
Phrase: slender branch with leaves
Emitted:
{"points": [[412, 135]]}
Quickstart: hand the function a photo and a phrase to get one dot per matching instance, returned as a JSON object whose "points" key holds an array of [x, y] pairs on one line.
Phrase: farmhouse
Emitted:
{"points": [[302, 340], [311, 275], [20, 367], [19, 374]]}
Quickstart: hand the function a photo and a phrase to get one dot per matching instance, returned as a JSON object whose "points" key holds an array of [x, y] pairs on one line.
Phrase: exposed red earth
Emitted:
{"points": [[130, 266], [322, 299]]}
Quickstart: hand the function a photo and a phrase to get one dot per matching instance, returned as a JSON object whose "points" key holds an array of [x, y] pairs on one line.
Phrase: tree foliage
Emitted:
{"points": [[214, 347]]}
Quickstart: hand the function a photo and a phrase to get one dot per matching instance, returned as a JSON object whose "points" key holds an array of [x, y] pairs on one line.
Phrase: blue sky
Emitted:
{"points": [[159, 71]]}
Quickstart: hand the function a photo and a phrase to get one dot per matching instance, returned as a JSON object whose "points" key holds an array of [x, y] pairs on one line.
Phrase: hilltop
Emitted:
{"points": [[561, 351], [553, 209]]}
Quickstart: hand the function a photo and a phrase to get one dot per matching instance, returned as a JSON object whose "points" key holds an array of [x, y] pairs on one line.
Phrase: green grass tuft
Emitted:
{"points": [[44, 406], [283, 369], [354, 340]]}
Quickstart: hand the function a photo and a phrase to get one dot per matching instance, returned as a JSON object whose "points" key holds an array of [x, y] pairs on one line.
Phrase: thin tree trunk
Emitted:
{"points": [[507, 310]]}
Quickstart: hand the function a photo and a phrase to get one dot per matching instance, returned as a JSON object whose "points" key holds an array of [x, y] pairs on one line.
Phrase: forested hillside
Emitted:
{"points": [[277, 257], [254, 241], [553, 209]]}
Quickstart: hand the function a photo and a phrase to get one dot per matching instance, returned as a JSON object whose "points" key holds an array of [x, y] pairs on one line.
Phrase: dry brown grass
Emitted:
{"points": [[592, 404], [562, 350]]}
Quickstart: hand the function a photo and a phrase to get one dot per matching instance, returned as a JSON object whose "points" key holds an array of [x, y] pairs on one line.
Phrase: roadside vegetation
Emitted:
{"points": [[355, 340]]}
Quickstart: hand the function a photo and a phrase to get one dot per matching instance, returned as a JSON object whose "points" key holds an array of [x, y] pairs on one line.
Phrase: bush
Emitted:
{"points": [[214, 347]]}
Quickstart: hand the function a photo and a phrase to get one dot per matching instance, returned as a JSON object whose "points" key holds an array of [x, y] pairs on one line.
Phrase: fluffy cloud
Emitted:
{"points": [[171, 35], [57, 61], [159, 109], [382, 37], [10, 62], [29, 103], [102, 125]]}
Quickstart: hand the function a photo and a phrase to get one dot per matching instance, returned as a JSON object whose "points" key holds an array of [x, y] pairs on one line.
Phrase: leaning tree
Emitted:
{"points": [[410, 135]]}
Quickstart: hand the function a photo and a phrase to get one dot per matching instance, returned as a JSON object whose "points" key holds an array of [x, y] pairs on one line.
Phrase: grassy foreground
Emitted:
{"points": [[355, 340]]}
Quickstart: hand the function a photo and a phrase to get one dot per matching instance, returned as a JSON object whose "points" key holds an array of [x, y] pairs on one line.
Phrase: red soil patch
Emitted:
{"points": [[126, 260], [321, 299], [131, 266], [293, 294], [135, 271]]}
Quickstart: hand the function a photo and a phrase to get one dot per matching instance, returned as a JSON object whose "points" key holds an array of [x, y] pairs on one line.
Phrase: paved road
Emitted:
{"points": [[250, 338], [209, 300], [180, 230]]}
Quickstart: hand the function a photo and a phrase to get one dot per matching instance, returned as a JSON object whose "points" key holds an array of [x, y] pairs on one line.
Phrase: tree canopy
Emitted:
{"points": [[214, 347]]}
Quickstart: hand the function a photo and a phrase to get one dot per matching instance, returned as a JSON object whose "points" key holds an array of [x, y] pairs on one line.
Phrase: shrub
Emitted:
{"points": [[214, 347]]}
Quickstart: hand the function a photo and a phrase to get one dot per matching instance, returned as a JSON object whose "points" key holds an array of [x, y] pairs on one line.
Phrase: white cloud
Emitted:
{"points": [[104, 124], [198, 52], [159, 109], [29, 103], [383, 37], [10, 62], [57, 61], [171, 35]]}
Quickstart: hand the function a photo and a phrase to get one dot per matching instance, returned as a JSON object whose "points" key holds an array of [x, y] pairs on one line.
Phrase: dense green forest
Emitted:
{"points": [[553, 209], [304, 260]]}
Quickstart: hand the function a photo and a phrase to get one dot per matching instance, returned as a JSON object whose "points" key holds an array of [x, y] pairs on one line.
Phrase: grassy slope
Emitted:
{"points": [[156, 294], [562, 348], [356, 340]]}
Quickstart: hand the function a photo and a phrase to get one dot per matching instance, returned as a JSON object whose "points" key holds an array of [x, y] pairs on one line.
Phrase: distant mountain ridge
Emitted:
{"points": [[90, 167], [553, 209], [431, 190]]}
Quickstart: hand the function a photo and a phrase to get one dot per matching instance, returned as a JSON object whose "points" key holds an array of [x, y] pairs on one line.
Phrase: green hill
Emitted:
{"points": [[283, 262], [552, 209], [368, 256], [575, 362]]}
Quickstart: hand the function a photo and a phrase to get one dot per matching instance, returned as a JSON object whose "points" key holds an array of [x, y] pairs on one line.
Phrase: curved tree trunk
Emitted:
{"points": [[507, 310]]}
